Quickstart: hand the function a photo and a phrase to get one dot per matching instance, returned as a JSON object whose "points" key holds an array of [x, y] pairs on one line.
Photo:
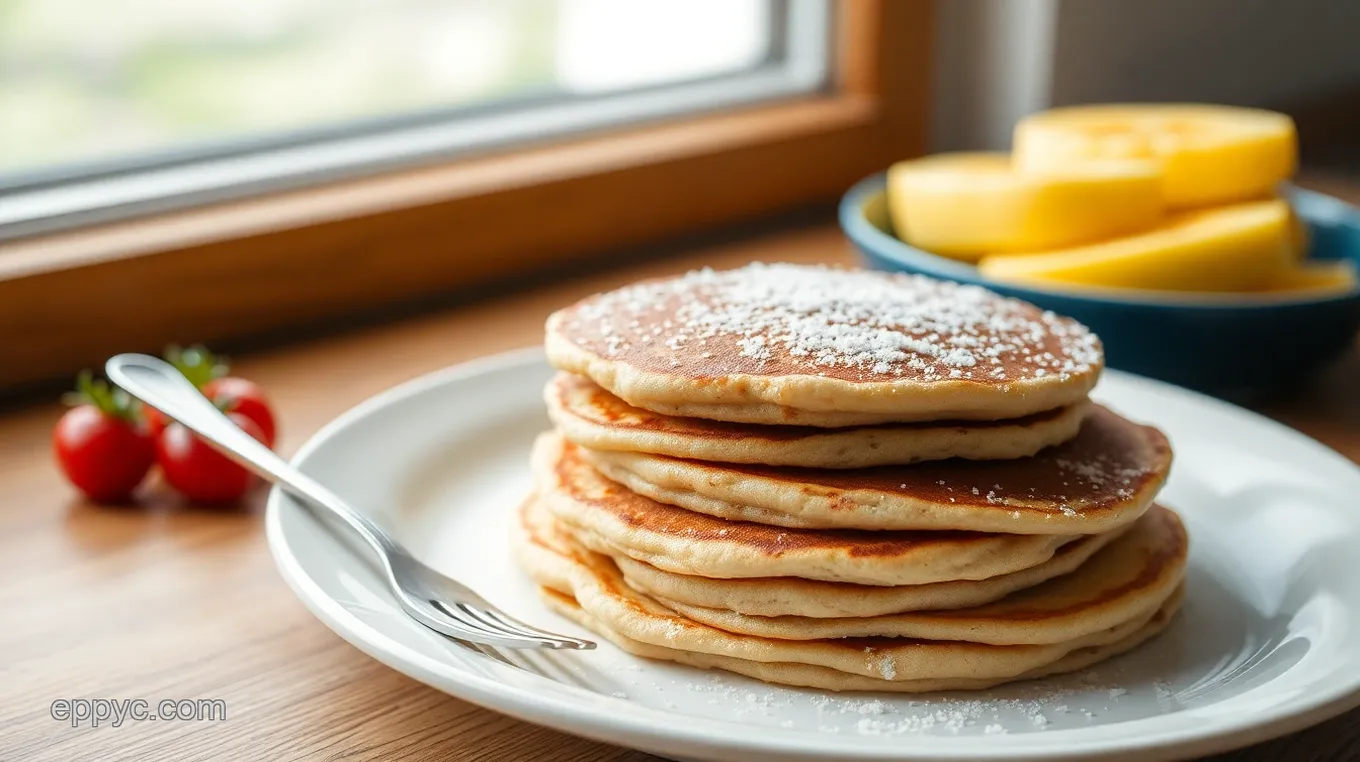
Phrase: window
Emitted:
{"points": [[117, 109], [278, 192]]}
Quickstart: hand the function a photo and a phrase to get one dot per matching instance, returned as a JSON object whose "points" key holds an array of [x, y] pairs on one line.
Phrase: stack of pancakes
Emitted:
{"points": [[846, 480]]}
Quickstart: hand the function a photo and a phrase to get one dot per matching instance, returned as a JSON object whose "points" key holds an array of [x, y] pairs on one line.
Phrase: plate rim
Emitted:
{"points": [[637, 728]]}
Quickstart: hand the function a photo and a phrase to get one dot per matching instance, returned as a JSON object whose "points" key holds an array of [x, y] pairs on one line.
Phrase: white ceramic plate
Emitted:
{"points": [[1268, 641]]}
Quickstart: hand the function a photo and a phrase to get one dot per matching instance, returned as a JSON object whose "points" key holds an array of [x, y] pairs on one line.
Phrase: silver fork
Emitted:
{"points": [[442, 604]]}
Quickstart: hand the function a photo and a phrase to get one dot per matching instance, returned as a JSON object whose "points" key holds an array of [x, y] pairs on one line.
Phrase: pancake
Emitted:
{"points": [[822, 678], [784, 596], [1104, 478], [592, 417], [1132, 577], [781, 596], [613, 609], [607, 518], [788, 344]]}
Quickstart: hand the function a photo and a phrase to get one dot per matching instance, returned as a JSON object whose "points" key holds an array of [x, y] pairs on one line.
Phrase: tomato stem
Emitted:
{"points": [[106, 398], [196, 363]]}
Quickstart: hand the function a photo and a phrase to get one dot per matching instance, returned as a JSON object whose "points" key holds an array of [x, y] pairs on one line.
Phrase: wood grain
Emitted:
{"points": [[166, 601], [289, 259]]}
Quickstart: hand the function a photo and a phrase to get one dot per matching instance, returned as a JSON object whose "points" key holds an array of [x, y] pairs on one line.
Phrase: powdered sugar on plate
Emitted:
{"points": [[1068, 701]]}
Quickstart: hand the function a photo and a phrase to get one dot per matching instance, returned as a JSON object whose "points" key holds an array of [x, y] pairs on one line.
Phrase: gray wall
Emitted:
{"points": [[1248, 52], [992, 66], [997, 60]]}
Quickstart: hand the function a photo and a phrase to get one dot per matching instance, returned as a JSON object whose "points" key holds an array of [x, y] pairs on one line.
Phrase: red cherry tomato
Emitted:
{"points": [[156, 421], [104, 456], [237, 395], [198, 471]]}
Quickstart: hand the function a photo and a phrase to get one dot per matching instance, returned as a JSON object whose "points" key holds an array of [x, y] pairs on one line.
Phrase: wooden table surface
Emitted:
{"points": [[167, 601]]}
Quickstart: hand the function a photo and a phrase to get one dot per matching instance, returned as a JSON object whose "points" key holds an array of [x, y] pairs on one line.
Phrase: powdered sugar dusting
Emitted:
{"points": [[754, 347], [788, 318], [1099, 471], [1062, 703], [1020, 708]]}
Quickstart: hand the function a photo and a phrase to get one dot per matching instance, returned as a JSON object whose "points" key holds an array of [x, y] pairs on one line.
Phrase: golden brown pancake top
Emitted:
{"points": [[605, 408], [584, 485], [1108, 463], [851, 325]]}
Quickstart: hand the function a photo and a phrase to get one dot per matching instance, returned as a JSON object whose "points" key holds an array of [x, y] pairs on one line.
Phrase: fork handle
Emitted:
{"points": [[160, 385]]}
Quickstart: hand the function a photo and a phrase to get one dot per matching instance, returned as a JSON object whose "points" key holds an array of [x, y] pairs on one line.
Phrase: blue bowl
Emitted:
{"points": [[1224, 344]]}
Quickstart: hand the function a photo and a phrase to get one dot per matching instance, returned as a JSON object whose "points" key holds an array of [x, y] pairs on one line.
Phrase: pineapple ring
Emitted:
{"points": [[1243, 247], [965, 205], [1208, 154], [1317, 279]]}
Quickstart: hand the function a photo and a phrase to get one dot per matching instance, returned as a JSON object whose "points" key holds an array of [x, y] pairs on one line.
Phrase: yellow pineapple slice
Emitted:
{"points": [[1300, 238], [963, 205], [1208, 154], [1243, 247], [1316, 278]]}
